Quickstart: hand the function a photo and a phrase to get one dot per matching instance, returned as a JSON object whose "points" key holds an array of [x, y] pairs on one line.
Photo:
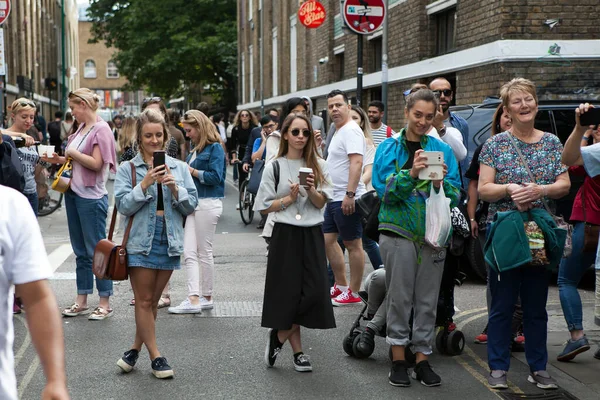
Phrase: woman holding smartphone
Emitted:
{"points": [[163, 196], [296, 287]]}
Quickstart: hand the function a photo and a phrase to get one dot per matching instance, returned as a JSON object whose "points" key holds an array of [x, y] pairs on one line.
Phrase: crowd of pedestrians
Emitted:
{"points": [[170, 193]]}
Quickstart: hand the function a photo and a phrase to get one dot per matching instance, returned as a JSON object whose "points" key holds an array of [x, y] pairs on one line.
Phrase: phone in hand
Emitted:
{"points": [[435, 166], [590, 117], [159, 158]]}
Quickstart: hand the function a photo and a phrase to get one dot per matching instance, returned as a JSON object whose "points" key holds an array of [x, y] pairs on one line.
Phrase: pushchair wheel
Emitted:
{"points": [[441, 340], [364, 349], [455, 343], [348, 343]]}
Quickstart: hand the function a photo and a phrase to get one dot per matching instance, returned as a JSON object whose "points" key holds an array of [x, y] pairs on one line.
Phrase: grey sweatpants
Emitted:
{"points": [[375, 286], [413, 279]]}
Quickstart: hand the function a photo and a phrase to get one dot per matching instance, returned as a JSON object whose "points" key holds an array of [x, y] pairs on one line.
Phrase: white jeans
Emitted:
{"points": [[200, 227]]}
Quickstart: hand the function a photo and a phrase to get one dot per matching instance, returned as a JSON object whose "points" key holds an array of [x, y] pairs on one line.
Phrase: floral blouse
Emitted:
{"points": [[543, 159]]}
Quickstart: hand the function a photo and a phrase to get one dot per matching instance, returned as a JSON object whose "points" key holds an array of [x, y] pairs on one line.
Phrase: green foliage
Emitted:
{"points": [[164, 45]]}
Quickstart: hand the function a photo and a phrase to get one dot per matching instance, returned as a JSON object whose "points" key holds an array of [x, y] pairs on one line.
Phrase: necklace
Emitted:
{"points": [[298, 214]]}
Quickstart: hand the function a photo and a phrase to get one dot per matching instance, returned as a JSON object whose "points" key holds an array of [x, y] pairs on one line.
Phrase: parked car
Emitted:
{"points": [[557, 117]]}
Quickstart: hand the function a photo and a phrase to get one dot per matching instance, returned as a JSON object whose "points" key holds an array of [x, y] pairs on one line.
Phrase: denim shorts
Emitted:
{"points": [[349, 227], [158, 258]]}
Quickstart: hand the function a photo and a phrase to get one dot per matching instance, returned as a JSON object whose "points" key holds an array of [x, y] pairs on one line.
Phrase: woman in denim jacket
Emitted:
{"points": [[160, 200], [207, 166]]}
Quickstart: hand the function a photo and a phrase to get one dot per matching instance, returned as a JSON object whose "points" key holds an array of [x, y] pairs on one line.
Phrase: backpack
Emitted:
{"points": [[11, 171], [388, 131]]}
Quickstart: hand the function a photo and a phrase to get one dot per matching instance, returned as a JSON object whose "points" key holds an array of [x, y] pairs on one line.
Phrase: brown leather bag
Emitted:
{"points": [[110, 259], [590, 232]]}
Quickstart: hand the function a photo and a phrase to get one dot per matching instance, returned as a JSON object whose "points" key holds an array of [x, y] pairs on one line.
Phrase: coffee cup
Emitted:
{"points": [[304, 173], [46, 151]]}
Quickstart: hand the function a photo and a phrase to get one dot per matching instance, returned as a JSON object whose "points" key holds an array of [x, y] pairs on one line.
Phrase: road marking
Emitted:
{"points": [[27, 378], [59, 256], [26, 341]]}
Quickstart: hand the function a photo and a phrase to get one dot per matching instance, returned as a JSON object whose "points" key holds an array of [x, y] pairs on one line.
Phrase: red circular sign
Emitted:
{"points": [[311, 14], [364, 16], [4, 10]]}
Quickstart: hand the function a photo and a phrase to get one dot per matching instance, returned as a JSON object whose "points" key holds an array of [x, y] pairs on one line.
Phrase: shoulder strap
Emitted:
{"points": [[276, 173], [388, 131], [514, 144], [114, 214]]}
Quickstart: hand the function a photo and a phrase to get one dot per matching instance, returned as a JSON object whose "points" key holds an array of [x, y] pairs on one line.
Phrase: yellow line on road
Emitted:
{"points": [[27, 378], [26, 342]]}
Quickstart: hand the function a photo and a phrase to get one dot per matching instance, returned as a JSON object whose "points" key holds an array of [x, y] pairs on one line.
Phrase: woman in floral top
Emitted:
{"points": [[505, 183]]}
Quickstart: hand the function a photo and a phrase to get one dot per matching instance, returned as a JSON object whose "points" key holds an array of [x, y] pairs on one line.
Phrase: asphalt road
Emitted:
{"points": [[219, 354]]}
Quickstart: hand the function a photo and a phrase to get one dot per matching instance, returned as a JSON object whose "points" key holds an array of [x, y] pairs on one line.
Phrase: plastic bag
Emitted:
{"points": [[438, 222]]}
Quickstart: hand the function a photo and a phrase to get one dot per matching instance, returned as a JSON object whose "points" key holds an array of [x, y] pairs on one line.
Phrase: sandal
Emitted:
{"points": [[100, 313], [132, 302], [74, 310], [164, 302]]}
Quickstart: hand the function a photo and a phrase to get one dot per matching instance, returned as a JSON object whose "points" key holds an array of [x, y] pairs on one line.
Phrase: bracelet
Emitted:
{"points": [[544, 191], [282, 204], [506, 190], [472, 219]]}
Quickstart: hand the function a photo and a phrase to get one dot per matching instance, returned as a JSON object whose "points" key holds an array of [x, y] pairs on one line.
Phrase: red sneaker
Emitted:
{"points": [[16, 308], [334, 291], [481, 338], [520, 339], [345, 299]]}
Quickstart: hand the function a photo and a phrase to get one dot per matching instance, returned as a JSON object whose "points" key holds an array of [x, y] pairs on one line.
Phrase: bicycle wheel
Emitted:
{"points": [[246, 204], [49, 200]]}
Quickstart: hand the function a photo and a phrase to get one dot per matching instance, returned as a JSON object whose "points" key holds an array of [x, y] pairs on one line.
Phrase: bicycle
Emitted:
{"points": [[48, 200], [246, 200]]}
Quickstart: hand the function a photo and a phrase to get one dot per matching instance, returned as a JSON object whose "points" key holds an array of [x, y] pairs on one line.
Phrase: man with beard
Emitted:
{"points": [[379, 130]]}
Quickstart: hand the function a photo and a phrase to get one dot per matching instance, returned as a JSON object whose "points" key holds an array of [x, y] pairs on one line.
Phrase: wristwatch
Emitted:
{"points": [[350, 194], [442, 131]]}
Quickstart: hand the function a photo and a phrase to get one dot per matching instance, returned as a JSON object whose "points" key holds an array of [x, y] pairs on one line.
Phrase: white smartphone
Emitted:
{"points": [[435, 166]]}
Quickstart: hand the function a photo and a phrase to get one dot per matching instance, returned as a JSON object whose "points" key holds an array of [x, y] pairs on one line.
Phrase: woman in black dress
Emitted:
{"points": [[296, 287]]}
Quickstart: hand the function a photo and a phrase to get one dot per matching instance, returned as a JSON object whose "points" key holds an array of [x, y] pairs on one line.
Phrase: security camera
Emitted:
{"points": [[323, 60]]}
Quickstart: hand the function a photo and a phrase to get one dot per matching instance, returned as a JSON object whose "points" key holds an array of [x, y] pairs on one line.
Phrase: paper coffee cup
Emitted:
{"points": [[304, 173], [44, 150]]}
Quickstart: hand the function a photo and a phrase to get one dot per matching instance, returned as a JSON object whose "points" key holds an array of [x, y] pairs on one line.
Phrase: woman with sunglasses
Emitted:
{"points": [[244, 122], [207, 166], [22, 115], [296, 287], [92, 150]]}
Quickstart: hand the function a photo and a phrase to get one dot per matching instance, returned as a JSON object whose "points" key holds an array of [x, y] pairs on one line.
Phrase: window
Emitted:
{"points": [[275, 64], [376, 54], [111, 70], [293, 56], [337, 26], [339, 67], [251, 74], [89, 69], [565, 122], [376, 93], [249, 10], [445, 31]]}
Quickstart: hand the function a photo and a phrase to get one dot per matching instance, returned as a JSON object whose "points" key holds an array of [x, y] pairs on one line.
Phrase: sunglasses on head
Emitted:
{"points": [[445, 92], [296, 132], [151, 100], [72, 94], [26, 103]]}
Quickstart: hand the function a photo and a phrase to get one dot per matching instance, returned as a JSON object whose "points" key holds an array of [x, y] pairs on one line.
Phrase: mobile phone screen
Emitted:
{"points": [[159, 158]]}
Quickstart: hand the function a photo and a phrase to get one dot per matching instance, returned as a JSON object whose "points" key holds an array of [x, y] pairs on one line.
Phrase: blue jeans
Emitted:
{"points": [[86, 219], [371, 248], [532, 284], [569, 274], [33, 200]]}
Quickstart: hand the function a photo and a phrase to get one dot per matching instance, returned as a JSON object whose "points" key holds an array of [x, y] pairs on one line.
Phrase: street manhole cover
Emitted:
{"points": [[224, 309], [557, 395]]}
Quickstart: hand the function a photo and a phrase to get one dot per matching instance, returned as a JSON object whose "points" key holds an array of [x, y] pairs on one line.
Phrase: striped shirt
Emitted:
{"points": [[379, 135]]}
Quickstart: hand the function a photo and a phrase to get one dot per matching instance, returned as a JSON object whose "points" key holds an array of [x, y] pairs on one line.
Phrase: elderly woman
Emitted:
{"points": [[505, 183]]}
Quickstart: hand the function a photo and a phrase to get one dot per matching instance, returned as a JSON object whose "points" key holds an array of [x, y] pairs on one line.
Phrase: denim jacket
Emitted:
{"points": [[131, 201], [211, 166]]}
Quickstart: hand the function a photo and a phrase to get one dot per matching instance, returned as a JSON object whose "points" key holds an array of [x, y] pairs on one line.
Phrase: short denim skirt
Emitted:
{"points": [[159, 255]]}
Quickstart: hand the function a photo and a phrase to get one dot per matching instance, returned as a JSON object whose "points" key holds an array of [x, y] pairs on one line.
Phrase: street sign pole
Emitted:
{"points": [[384, 63], [359, 70]]}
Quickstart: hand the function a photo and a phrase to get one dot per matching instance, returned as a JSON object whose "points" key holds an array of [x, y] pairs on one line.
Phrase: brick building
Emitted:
{"points": [[477, 45]]}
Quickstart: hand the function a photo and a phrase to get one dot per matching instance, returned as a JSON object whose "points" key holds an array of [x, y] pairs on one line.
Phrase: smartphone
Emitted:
{"points": [[591, 117], [159, 158], [435, 166]]}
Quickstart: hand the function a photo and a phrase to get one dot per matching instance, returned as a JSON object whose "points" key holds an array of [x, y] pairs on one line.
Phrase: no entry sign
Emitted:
{"points": [[364, 16], [4, 10], [311, 14]]}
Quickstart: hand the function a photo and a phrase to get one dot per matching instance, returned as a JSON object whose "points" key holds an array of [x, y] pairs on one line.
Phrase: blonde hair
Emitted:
{"points": [[517, 85], [208, 133], [87, 96], [366, 128], [127, 133], [22, 104], [150, 116]]}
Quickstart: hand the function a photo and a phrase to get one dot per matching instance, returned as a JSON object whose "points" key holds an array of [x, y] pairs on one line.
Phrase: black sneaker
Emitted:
{"points": [[597, 354], [127, 362], [398, 375], [425, 374], [302, 363], [161, 369], [273, 348], [366, 344]]}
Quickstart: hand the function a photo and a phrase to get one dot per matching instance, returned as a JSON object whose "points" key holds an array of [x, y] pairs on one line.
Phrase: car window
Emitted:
{"points": [[565, 122], [543, 121], [480, 124]]}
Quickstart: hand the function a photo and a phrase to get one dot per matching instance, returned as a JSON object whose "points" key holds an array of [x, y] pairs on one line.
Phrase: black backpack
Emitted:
{"points": [[11, 171]]}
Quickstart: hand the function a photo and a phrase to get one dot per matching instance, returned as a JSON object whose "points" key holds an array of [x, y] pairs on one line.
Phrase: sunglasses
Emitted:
{"points": [[244, 115], [26, 103], [445, 92], [151, 100], [71, 94], [296, 132]]}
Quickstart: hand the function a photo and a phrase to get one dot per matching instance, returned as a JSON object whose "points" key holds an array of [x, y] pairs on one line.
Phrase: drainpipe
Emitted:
{"points": [[63, 99]]}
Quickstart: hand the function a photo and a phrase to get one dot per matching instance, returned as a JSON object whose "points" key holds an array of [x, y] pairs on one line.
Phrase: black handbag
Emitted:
{"points": [[367, 206], [256, 176]]}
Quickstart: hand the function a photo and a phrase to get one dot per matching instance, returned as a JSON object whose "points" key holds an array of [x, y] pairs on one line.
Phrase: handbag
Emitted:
{"points": [[110, 259], [368, 206], [560, 221], [62, 182], [256, 176], [590, 232]]}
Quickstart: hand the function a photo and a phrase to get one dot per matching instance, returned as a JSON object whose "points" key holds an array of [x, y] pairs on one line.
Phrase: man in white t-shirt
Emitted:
{"points": [[23, 262], [345, 165]]}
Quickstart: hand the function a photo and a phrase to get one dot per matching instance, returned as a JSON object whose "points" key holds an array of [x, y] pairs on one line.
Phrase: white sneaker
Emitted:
{"points": [[237, 207], [206, 304], [186, 307]]}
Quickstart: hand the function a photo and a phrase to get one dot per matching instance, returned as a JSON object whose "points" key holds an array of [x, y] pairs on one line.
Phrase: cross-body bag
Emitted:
{"points": [[560, 221], [591, 231], [62, 182], [110, 259]]}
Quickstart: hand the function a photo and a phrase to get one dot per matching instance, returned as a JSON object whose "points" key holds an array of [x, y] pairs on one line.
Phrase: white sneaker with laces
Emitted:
{"points": [[206, 304], [186, 307]]}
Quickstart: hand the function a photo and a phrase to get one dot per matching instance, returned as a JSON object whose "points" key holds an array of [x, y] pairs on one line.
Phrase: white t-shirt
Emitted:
{"points": [[22, 260], [454, 139], [349, 139]]}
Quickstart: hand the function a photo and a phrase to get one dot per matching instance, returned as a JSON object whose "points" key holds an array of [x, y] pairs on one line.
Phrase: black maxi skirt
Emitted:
{"points": [[297, 287]]}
